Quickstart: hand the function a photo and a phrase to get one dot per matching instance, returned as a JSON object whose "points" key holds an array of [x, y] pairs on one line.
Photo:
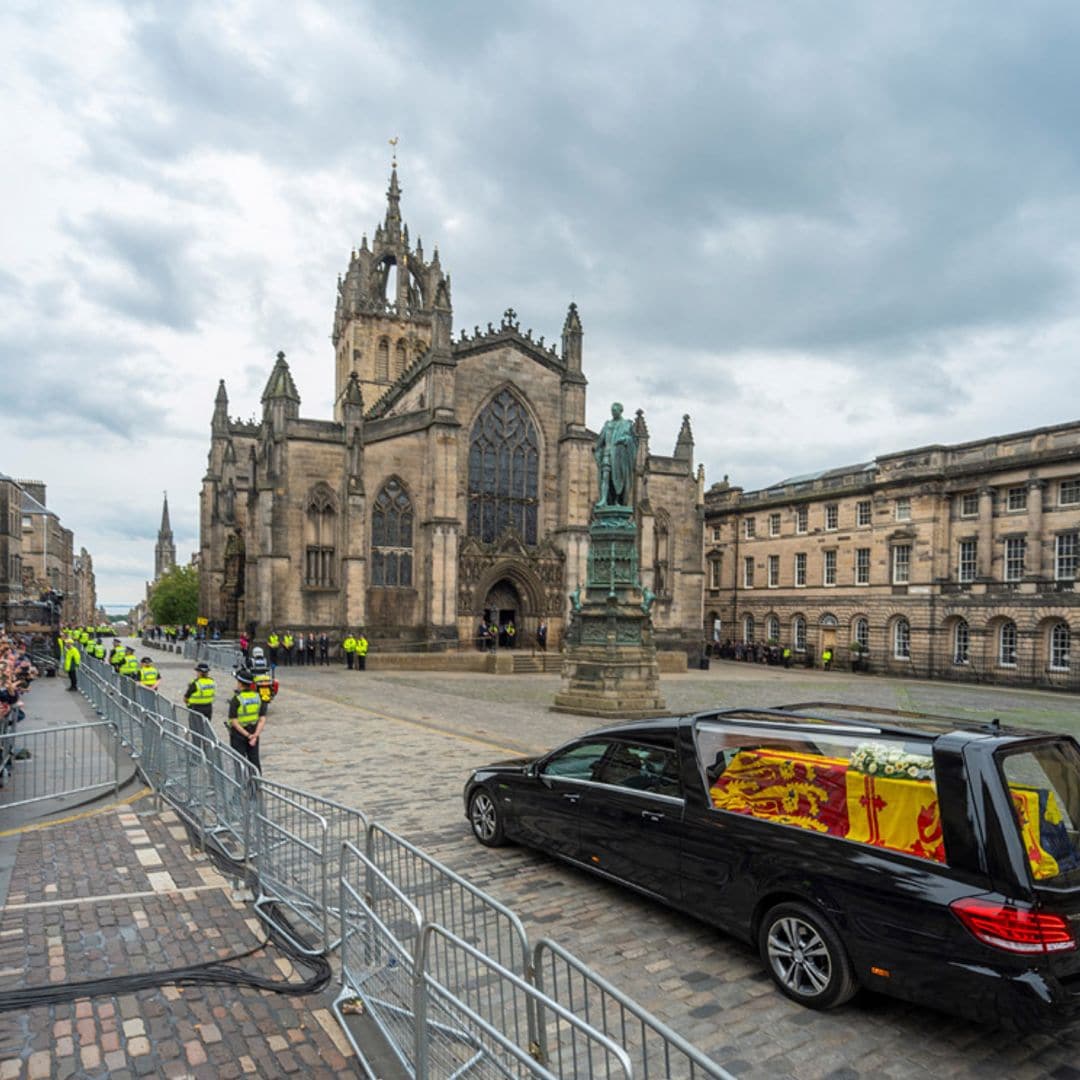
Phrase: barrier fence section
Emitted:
{"points": [[444, 969]]}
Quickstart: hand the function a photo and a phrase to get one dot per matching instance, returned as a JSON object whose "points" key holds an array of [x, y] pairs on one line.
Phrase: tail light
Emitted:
{"points": [[1014, 929]]}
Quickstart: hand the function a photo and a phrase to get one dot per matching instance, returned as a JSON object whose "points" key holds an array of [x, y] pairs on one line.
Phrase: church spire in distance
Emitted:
{"points": [[393, 194], [164, 549]]}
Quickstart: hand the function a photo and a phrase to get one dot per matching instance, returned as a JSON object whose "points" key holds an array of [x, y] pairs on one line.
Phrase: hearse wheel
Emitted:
{"points": [[484, 816], [805, 957]]}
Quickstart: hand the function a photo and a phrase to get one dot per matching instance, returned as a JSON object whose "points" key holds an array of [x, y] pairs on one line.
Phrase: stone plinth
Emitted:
{"points": [[609, 662]]}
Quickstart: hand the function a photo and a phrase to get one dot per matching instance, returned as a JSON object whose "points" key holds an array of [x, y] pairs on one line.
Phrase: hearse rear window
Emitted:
{"points": [[868, 788], [1044, 783]]}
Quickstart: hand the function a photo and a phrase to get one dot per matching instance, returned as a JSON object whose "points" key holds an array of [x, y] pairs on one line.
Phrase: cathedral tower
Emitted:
{"points": [[164, 549], [385, 307]]}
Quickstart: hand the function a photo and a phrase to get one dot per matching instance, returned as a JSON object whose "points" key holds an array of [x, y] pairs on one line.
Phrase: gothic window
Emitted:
{"points": [[382, 361], [319, 538], [504, 471], [662, 554], [399, 359], [392, 537]]}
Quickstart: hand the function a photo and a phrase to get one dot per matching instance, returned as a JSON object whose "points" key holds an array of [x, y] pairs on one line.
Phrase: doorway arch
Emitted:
{"points": [[504, 608]]}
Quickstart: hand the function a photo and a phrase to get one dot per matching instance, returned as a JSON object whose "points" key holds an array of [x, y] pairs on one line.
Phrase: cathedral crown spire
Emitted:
{"points": [[393, 202]]}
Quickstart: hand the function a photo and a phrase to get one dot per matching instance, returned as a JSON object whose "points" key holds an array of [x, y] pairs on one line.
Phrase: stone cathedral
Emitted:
{"points": [[453, 484]]}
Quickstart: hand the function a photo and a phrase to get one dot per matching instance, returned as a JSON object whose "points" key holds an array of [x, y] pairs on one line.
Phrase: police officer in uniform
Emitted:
{"points": [[148, 674], [129, 666], [247, 716], [116, 656], [361, 650], [72, 659], [199, 698], [349, 648]]}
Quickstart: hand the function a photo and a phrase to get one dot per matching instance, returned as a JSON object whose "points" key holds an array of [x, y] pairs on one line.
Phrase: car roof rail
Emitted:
{"points": [[883, 711]]}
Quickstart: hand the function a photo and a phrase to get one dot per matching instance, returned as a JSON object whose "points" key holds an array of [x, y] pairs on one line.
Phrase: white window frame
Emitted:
{"points": [[860, 577], [902, 509], [774, 524], [967, 560], [748, 571], [832, 517], [864, 512], [1015, 563], [1069, 492], [748, 628], [774, 571], [1007, 644], [772, 628], [798, 634], [800, 570], [749, 528], [1060, 642], [901, 575], [1016, 499], [1066, 556], [961, 642], [802, 519], [828, 568], [901, 636], [716, 573], [861, 632]]}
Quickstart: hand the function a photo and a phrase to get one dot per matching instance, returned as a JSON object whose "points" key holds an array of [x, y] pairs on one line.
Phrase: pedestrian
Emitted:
{"points": [[247, 717], [826, 658], [148, 674], [311, 649], [72, 660], [199, 698], [324, 649], [301, 649], [245, 644], [361, 650], [289, 643], [511, 632], [349, 648], [541, 636], [273, 643]]}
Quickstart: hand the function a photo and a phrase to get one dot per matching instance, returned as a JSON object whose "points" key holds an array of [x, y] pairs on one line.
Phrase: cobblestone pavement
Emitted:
{"points": [[399, 745], [116, 893]]}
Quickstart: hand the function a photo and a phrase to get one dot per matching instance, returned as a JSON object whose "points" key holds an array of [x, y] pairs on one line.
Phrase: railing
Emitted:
{"points": [[444, 970]]}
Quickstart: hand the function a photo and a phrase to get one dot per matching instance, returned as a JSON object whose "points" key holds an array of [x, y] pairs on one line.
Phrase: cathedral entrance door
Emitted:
{"points": [[503, 606]]}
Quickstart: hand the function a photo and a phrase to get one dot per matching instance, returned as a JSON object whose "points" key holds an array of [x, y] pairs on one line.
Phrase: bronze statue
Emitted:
{"points": [[615, 451]]}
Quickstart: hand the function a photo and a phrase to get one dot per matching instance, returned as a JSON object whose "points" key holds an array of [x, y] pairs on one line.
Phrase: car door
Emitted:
{"points": [[631, 825], [547, 808]]}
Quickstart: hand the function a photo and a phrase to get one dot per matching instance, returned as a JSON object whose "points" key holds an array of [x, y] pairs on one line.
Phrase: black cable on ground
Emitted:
{"points": [[210, 973]]}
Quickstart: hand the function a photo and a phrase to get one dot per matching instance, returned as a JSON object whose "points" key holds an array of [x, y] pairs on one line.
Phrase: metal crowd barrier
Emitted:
{"points": [[444, 970]]}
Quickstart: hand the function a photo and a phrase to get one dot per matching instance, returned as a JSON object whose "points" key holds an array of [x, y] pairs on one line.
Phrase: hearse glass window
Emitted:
{"points": [[1044, 784], [576, 762], [867, 787], [654, 769]]}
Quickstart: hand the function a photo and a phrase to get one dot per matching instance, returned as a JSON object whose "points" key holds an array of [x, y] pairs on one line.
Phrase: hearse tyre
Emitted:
{"points": [[485, 818], [805, 957]]}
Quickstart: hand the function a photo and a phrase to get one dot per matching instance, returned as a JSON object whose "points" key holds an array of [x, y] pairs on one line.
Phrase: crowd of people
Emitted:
{"points": [[17, 672]]}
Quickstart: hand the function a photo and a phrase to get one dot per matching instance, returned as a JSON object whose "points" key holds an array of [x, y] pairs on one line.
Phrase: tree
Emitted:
{"points": [[174, 598]]}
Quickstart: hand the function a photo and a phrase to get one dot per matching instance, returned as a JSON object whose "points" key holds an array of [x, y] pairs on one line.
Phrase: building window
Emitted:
{"points": [[399, 359], [749, 528], [504, 471], [748, 629], [961, 642], [864, 512], [1060, 638], [968, 564], [772, 629], [798, 633], [1069, 492], [774, 571], [1007, 644], [829, 576], [716, 534], [903, 509], [715, 566], [27, 521], [319, 538], [802, 519], [800, 569], [832, 516], [382, 361], [902, 639], [748, 572], [392, 537], [774, 524], [862, 566], [1015, 554], [862, 633], [1016, 499], [901, 564], [1066, 550], [969, 504]]}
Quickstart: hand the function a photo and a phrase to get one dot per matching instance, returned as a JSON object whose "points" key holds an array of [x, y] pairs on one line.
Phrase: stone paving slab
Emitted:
{"points": [[116, 893], [399, 745]]}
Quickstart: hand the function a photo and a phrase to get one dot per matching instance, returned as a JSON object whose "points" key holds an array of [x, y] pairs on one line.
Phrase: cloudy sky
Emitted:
{"points": [[825, 230]]}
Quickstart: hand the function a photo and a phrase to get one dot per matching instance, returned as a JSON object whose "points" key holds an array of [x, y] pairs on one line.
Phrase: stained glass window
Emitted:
{"points": [[504, 471], [392, 537]]}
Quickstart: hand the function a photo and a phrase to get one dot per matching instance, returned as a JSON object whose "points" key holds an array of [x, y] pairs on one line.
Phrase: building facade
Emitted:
{"points": [[11, 584], [454, 483], [940, 562]]}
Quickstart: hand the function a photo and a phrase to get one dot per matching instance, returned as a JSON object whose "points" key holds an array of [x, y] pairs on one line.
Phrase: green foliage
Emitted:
{"points": [[174, 599]]}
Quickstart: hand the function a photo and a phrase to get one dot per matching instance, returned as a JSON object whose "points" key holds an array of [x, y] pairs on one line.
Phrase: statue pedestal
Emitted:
{"points": [[609, 662]]}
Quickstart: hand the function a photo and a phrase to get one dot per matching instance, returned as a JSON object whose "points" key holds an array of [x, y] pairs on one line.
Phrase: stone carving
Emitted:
{"points": [[615, 452]]}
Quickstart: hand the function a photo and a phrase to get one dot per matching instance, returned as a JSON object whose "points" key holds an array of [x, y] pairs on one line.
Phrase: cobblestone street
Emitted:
{"points": [[399, 745]]}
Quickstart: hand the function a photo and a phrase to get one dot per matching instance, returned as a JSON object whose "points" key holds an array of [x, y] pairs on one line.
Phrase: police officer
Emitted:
{"points": [[116, 656], [148, 674], [130, 666], [247, 716], [72, 660], [273, 643], [290, 643], [349, 647], [199, 697], [361, 650]]}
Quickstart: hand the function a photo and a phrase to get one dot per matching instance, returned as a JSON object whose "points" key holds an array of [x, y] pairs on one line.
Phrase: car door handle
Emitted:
{"points": [[570, 796], [651, 815]]}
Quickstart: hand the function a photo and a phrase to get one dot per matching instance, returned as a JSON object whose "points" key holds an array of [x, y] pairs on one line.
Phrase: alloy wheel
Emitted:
{"points": [[799, 956]]}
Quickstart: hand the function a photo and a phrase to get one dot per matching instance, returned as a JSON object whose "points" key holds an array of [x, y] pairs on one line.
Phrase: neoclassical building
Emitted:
{"points": [[453, 483], [944, 561]]}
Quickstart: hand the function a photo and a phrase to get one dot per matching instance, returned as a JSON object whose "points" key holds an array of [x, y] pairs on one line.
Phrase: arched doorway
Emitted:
{"points": [[503, 607]]}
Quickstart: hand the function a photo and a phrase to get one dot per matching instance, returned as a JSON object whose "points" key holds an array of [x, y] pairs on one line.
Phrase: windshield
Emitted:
{"points": [[1044, 782]]}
